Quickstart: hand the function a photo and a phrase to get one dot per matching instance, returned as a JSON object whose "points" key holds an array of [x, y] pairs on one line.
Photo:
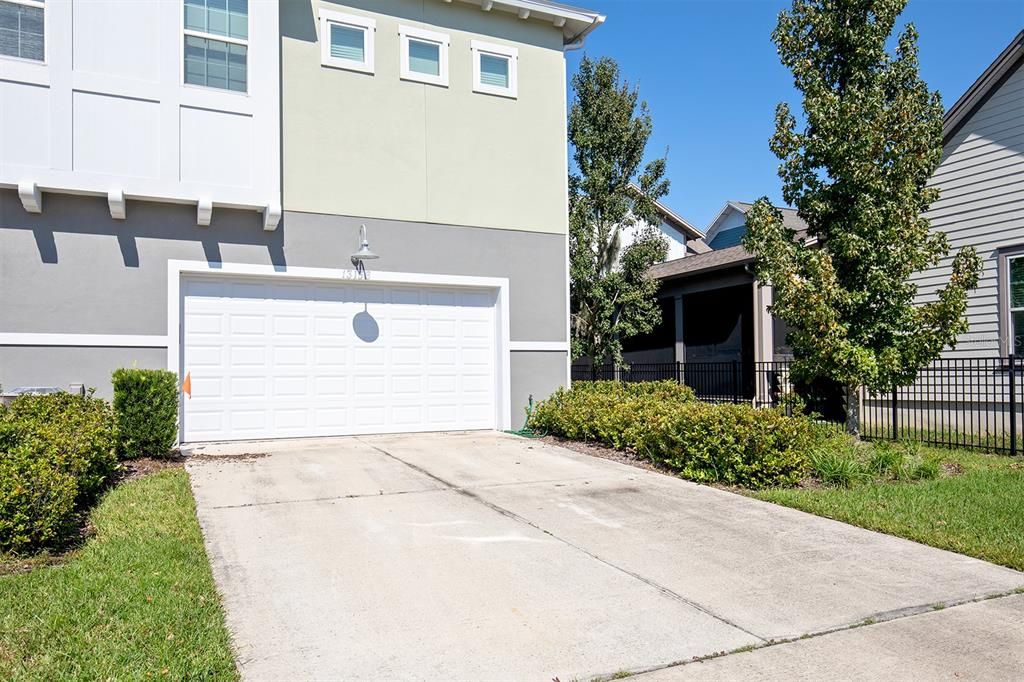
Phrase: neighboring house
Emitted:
{"points": [[182, 186], [676, 230], [715, 311], [981, 179]]}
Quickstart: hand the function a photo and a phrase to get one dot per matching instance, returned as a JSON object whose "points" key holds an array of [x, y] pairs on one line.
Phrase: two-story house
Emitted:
{"points": [[183, 185]]}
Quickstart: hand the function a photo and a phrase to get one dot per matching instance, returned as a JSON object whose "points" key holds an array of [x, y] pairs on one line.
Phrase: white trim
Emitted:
{"points": [[480, 48], [84, 340], [538, 346], [177, 268], [369, 29], [405, 33]]}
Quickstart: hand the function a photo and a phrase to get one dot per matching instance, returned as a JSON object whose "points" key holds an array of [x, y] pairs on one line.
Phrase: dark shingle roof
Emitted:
{"points": [[707, 260], [701, 262]]}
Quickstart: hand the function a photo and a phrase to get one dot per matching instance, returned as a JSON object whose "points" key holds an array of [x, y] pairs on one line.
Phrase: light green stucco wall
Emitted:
{"points": [[375, 145]]}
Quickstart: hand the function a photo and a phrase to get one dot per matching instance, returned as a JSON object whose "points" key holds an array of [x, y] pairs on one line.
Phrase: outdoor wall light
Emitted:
{"points": [[364, 253]]}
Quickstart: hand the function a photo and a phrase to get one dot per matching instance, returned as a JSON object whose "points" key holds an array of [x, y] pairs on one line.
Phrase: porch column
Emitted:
{"points": [[680, 345], [764, 341]]}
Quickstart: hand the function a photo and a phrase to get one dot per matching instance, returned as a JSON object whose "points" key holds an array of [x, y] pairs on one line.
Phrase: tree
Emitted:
{"points": [[857, 174], [612, 295]]}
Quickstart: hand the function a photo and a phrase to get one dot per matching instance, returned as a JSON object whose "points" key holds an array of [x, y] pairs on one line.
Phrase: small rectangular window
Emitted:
{"points": [[424, 56], [495, 69], [22, 33], [217, 44], [346, 41]]}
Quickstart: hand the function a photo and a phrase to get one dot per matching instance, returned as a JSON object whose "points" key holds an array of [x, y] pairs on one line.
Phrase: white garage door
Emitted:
{"points": [[271, 359]]}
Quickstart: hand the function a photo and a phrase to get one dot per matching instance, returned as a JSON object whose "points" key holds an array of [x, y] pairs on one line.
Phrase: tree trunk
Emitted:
{"points": [[852, 395]]}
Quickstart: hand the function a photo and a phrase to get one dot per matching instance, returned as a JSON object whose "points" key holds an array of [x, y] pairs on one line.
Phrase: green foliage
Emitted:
{"points": [[146, 405], [613, 297], [56, 453], [979, 510], [733, 444], [857, 174], [136, 602], [836, 463], [842, 462]]}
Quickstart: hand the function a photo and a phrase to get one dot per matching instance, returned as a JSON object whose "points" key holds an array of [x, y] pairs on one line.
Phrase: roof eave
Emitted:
{"points": [[576, 23], [980, 90]]}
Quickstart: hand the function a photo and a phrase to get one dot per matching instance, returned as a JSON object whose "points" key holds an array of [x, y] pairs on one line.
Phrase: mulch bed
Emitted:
{"points": [[605, 452]]}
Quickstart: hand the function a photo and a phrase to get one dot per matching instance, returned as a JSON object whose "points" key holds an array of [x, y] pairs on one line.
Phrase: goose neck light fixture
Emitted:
{"points": [[363, 254]]}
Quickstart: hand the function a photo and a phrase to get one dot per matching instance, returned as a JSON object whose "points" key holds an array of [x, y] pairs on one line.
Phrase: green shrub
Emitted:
{"points": [[836, 462], [56, 453], [146, 405], [734, 444]]}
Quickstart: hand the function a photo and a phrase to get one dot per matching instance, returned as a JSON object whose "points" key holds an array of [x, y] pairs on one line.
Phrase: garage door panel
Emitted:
{"points": [[271, 359]]}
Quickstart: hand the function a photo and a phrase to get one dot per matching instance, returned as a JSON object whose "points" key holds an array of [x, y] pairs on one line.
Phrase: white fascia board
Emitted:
{"points": [[712, 230]]}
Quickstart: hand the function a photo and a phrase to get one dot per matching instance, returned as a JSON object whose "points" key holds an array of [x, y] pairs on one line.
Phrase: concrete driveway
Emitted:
{"points": [[473, 556]]}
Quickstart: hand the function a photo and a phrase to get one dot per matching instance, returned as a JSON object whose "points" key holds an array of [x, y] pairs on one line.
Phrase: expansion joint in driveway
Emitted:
{"points": [[516, 517]]}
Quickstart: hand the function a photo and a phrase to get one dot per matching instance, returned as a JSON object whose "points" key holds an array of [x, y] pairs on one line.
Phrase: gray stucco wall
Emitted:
{"points": [[537, 374], [74, 270]]}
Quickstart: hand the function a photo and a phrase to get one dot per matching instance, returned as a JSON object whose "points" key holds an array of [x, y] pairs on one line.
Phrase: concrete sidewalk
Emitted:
{"points": [[487, 556]]}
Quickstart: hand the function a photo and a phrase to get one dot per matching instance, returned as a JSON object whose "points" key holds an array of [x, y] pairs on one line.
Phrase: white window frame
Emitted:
{"points": [[46, 33], [480, 48], [405, 33], [1006, 309], [185, 32], [369, 29]]}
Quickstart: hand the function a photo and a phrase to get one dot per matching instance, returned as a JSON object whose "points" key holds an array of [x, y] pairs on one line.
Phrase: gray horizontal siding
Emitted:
{"points": [[981, 179]]}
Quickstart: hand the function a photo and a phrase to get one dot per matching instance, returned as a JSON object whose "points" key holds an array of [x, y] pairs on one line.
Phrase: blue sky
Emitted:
{"points": [[711, 78]]}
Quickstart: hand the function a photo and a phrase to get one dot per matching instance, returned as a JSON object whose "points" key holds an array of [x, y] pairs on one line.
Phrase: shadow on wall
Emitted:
{"points": [[146, 220]]}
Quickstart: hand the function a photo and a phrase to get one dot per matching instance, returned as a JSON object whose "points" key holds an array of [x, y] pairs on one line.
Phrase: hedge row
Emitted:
{"points": [[732, 444], [58, 451]]}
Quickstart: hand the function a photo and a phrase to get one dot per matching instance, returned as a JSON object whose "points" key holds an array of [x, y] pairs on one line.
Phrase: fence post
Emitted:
{"points": [[679, 372], [895, 416], [735, 382], [1013, 404]]}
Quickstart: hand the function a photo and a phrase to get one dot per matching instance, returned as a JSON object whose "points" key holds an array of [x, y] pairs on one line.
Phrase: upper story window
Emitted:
{"points": [[1015, 298], [21, 29], [346, 41], [217, 43], [424, 56], [495, 69]]}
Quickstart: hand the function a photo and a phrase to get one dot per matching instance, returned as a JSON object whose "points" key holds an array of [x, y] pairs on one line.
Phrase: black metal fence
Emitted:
{"points": [[964, 402]]}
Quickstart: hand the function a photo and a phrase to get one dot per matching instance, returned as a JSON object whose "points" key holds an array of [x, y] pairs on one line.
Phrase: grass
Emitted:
{"points": [[974, 505], [137, 601]]}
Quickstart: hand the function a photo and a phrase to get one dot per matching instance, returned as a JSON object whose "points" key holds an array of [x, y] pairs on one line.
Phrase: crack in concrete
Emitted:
{"points": [[877, 619], [356, 496], [516, 517]]}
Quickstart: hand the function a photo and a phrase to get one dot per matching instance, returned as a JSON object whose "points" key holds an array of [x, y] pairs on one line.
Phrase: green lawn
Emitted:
{"points": [[979, 512], [137, 601]]}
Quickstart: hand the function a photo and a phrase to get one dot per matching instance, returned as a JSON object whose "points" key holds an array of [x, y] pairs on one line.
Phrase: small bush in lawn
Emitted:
{"points": [[837, 463], [146, 405], [56, 453]]}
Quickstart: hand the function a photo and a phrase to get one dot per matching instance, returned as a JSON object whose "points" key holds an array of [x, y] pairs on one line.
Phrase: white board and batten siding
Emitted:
{"points": [[271, 359], [981, 178]]}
